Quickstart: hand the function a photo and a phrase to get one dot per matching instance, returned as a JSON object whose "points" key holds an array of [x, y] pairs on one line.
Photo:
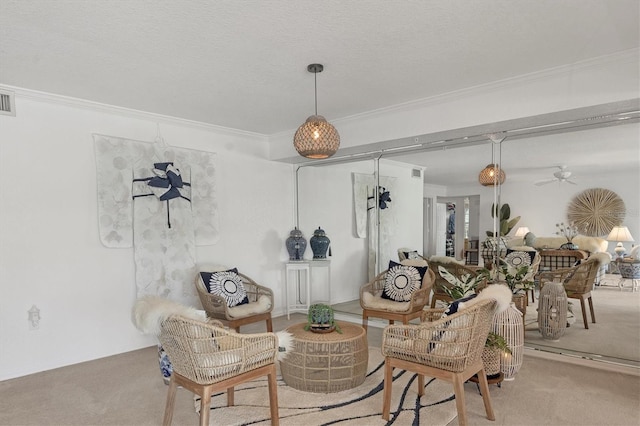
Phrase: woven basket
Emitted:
{"points": [[491, 361], [520, 300]]}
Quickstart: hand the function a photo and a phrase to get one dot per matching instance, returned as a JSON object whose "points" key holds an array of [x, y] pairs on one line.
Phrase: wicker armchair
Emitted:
{"points": [[375, 306], [578, 282], [448, 349], [455, 269], [207, 359], [258, 309]]}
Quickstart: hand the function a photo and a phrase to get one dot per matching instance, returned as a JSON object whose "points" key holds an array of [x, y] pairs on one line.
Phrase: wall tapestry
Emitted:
{"points": [[160, 200], [364, 187]]}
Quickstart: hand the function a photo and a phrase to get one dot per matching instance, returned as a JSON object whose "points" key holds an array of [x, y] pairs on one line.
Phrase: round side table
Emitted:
{"points": [[326, 362]]}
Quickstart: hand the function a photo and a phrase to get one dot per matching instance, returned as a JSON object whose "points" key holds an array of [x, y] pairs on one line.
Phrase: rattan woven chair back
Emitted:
{"points": [[456, 270], [216, 306], [411, 310], [449, 349], [208, 359], [578, 282]]}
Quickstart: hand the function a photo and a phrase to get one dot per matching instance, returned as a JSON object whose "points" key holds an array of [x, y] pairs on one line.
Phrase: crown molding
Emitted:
{"points": [[126, 112], [623, 56]]}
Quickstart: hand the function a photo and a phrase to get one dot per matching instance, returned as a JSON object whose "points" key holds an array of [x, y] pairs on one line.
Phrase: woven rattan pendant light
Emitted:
{"points": [[493, 175], [316, 138]]}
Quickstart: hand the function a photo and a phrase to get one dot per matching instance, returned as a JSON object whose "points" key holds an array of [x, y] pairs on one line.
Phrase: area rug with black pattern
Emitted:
{"points": [[358, 406]]}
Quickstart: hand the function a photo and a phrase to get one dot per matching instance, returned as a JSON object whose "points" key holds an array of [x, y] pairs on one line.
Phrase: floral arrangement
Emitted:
{"points": [[569, 231]]}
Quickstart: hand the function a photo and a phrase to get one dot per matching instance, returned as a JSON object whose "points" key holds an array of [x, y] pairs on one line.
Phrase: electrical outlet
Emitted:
{"points": [[33, 318]]}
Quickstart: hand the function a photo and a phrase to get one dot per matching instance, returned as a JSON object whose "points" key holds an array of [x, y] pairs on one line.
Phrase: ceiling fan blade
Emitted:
{"points": [[544, 182], [571, 182]]}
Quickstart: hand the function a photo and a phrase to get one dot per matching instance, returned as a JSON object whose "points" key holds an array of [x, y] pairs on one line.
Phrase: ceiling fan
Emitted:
{"points": [[562, 175]]}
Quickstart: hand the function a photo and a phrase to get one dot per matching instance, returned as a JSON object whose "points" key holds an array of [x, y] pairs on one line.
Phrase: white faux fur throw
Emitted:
{"points": [[377, 302], [499, 292], [149, 312], [263, 304], [447, 259]]}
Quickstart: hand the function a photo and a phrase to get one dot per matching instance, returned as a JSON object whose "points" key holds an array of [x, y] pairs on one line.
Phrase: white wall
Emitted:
{"points": [[326, 200], [50, 253]]}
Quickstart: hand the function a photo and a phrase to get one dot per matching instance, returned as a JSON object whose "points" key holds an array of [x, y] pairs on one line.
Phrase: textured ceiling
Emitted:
{"points": [[242, 64]]}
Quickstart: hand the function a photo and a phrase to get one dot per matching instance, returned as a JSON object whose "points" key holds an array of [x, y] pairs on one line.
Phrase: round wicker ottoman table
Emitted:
{"points": [[326, 362]]}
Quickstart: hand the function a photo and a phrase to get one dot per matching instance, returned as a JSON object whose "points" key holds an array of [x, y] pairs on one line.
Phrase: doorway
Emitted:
{"points": [[457, 223]]}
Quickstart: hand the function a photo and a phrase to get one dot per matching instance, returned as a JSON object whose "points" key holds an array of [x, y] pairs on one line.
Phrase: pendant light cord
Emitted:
{"points": [[315, 90]]}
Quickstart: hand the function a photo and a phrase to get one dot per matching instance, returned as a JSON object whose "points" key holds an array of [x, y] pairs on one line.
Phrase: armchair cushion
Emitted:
{"points": [[379, 304], [226, 284], [244, 310], [402, 280]]}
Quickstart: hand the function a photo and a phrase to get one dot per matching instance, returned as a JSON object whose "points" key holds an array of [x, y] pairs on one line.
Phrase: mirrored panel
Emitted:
{"points": [[597, 157]]}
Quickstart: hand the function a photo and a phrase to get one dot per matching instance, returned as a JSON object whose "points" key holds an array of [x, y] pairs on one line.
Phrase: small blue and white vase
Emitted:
{"points": [[296, 245], [319, 244], [165, 364]]}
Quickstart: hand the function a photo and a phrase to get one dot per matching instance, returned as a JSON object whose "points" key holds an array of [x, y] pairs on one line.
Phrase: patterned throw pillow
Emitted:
{"points": [[401, 281], [518, 259], [455, 305], [228, 285]]}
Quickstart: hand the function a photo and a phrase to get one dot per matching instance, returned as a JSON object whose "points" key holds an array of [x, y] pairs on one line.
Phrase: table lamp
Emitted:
{"points": [[620, 234], [521, 232]]}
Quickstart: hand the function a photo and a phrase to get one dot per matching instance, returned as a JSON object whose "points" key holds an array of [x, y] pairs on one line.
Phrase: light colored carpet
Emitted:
{"points": [[615, 336], [358, 406], [127, 389]]}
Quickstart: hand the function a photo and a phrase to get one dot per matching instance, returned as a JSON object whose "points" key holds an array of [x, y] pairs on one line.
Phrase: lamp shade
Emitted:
{"points": [[522, 231], [492, 175], [620, 234], [316, 138]]}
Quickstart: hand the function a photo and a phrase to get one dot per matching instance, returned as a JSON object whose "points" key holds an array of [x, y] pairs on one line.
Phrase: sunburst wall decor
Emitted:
{"points": [[596, 211]]}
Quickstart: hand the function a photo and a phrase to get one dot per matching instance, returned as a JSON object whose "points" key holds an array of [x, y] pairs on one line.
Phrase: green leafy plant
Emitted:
{"points": [[516, 278], [503, 213], [321, 316], [464, 285], [496, 341]]}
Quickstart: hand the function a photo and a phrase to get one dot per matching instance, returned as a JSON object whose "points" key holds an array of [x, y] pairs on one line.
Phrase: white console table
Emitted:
{"points": [[298, 275]]}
